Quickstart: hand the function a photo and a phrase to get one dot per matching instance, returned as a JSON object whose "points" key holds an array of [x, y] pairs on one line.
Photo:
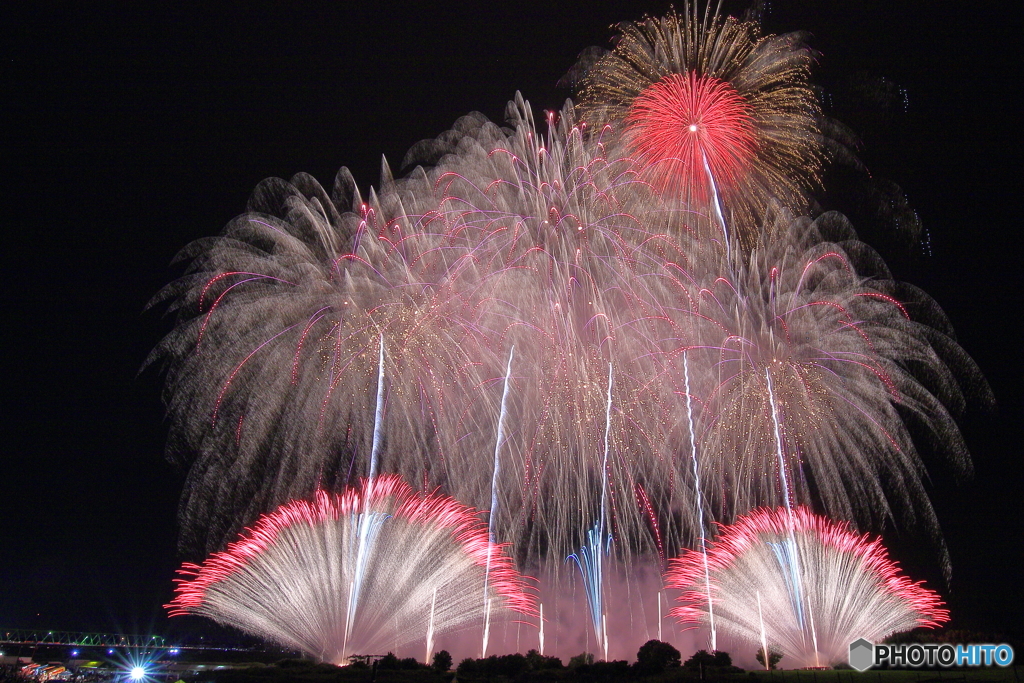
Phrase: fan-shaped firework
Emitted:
{"points": [[802, 585], [713, 109], [806, 367], [359, 571]]}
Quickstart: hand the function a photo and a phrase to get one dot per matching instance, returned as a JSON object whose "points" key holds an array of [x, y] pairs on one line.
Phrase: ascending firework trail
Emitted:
{"points": [[498, 441]]}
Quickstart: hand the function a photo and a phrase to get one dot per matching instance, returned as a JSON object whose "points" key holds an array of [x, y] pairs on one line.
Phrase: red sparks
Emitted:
{"points": [[645, 504], [681, 121], [388, 493], [893, 301]]}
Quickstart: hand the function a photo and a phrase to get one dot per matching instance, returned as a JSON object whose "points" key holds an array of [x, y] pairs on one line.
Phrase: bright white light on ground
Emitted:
{"points": [[138, 673]]}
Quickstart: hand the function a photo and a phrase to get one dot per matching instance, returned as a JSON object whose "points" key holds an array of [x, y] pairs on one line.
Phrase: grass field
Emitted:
{"points": [[313, 673], [1013, 673]]}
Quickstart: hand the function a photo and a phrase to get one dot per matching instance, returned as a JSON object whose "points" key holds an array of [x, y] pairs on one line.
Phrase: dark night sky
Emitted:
{"points": [[129, 133]]}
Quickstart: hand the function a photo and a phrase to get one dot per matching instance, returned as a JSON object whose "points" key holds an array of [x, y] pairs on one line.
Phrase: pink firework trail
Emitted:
{"points": [[847, 587]]}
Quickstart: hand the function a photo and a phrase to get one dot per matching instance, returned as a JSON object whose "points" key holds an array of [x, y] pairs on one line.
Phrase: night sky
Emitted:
{"points": [[128, 133]]}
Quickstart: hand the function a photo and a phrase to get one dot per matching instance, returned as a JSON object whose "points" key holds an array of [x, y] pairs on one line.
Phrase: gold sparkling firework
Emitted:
{"points": [[744, 98]]}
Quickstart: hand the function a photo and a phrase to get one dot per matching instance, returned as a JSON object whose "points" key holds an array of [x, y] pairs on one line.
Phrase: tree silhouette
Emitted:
{"points": [[654, 656], [773, 658], [442, 661]]}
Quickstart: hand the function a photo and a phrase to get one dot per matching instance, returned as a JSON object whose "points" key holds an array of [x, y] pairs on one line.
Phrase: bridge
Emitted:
{"points": [[37, 637], [24, 638]]}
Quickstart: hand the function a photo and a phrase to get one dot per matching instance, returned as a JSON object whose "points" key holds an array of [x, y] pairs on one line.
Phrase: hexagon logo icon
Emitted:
{"points": [[862, 654]]}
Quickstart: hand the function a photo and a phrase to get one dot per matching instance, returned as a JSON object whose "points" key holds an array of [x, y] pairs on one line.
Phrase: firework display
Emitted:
{"points": [[606, 332], [804, 585]]}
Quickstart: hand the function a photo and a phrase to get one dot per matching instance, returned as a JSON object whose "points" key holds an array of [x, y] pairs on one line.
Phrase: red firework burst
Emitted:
{"points": [[683, 122]]}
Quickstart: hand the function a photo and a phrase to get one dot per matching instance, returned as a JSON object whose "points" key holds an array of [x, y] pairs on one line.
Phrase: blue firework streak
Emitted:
{"points": [[785, 553], [590, 560]]}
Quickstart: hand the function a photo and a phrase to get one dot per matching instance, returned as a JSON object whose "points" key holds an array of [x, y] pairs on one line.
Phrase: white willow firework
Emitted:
{"points": [[537, 242], [546, 244], [809, 362]]}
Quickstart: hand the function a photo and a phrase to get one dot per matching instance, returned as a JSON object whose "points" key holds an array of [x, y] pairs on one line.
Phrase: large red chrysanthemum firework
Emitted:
{"points": [[686, 126], [802, 583], [696, 86]]}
